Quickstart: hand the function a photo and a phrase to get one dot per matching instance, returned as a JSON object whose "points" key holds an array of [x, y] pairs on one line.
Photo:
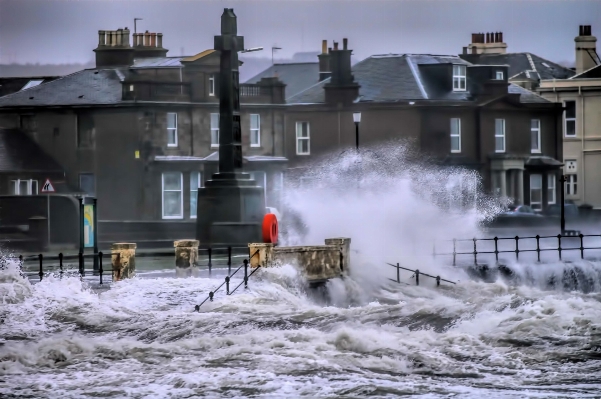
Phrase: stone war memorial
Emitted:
{"points": [[233, 204]]}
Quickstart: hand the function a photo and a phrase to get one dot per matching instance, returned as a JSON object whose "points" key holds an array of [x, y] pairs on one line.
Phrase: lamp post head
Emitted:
{"points": [[357, 117]]}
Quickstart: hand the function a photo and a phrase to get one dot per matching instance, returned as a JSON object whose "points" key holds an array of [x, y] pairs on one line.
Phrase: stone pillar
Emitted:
{"points": [[520, 173], [503, 181], [265, 256], [345, 248], [186, 255], [123, 256]]}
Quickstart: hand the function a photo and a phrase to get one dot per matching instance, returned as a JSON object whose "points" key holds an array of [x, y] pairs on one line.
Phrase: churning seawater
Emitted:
{"points": [[372, 337], [141, 339]]}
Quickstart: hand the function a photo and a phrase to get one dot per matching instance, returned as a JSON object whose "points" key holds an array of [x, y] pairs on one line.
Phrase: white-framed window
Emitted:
{"points": [[551, 189], [255, 130], [303, 138], [569, 118], [535, 145], [195, 183], [173, 199], [211, 85], [571, 185], [499, 135], [459, 73], [536, 191], [499, 75], [171, 129], [455, 134], [24, 187], [214, 130]]}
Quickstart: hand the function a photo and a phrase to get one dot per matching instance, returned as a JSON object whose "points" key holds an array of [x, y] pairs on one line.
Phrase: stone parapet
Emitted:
{"points": [[315, 262], [123, 259]]}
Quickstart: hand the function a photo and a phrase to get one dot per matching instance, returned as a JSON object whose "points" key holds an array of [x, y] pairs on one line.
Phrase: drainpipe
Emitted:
{"points": [[191, 114], [479, 139], [272, 131]]}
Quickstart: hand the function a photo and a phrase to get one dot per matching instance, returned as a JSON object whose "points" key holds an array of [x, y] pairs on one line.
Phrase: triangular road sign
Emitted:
{"points": [[48, 187]]}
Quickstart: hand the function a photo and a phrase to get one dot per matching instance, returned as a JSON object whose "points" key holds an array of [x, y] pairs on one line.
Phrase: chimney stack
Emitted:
{"points": [[324, 61], [586, 49], [342, 88], [487, 43]]}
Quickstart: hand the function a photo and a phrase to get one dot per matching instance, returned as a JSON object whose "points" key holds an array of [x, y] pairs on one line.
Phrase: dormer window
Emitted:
{"points": [[459, 77], [499, 75], [211, 85]]}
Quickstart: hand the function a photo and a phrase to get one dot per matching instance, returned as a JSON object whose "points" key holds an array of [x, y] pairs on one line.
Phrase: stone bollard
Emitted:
{"points": [[345, 248], [123, 260], [265, 256], [186, 256]]}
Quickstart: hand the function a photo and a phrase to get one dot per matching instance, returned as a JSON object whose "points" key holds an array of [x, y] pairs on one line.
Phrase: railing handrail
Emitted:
{"points": [[227, 281], [418, 273]]}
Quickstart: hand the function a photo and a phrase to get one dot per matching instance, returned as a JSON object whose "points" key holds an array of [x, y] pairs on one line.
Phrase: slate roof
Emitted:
{"points": [[13, 85], [594, 72], [19, 153], [398, 77], [531, 65], [87, 87], [296, 76]]}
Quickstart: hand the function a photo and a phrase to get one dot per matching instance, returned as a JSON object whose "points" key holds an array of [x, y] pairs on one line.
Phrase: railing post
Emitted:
{"points": [[454, 251], [245, 273], [229, 260], [398, 273], [497, 249], [581, 246], [538, 247], [20, 260], [210, 260], [227, 285], [211, 296], [517, 248], [60, 264], [559, 245], [100, 270], [82, 270], [438, 281], [41, 273], [475, 252], [416, 276]]}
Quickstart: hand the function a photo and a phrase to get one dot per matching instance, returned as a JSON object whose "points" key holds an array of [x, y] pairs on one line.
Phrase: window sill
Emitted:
{"points": [[308, 153], [172, 145], [535, 151], [193, 217], [173, 217], [499, 152], [455, 151], [255, 146], [214, 145], [460, 90]]}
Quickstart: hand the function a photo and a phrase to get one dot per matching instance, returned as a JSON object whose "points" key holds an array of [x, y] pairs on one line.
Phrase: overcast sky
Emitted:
{"points": [[65, 31]]}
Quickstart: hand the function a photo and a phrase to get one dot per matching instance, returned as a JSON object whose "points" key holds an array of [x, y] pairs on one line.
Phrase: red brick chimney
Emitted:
{"points": [[324, 61]]}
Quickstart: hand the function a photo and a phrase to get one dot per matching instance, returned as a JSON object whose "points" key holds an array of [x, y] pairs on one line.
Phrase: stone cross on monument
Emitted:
{"points": [[231, 206]]}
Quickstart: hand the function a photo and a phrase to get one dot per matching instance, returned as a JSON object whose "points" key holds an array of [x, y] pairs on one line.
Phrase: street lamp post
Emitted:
{"points": [[563, 179], [357, 120]]}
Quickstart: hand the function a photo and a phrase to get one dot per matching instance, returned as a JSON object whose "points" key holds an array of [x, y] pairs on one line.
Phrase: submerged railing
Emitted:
{"points": [[519, 245], [47, 263], [227, 282], [416, 275]]}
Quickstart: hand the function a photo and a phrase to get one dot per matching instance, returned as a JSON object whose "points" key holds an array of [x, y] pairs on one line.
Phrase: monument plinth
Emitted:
{"points": [[231, 206]]}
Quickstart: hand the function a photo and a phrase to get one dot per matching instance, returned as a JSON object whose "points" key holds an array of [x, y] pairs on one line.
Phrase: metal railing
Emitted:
{"points": [[416, 275], [496, 246], [44, 267], [226, 282]]}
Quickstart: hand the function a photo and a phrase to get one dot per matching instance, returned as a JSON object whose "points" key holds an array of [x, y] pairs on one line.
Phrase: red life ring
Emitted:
{"points": [[270, 229]]}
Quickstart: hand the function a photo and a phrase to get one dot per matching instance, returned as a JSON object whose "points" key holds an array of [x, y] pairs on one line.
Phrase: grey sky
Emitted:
{"points": [[49, 31]]}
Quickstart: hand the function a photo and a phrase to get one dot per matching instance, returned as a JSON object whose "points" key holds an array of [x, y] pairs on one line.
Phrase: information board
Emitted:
{"points": [[88, 226]]}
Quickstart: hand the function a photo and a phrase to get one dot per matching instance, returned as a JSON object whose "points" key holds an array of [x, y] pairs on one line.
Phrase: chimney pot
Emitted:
{"points": [[329, 50], [501, 37], [324, 46], [101, 38], [160, 40], [153, 40], [335, 45], [473, 38], [487, 37], [146, 38], [345, 44]]}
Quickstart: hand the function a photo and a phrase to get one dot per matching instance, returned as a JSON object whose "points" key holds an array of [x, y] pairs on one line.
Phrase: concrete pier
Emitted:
{"points": [[315, 262], [186, 256], [123, 259]]}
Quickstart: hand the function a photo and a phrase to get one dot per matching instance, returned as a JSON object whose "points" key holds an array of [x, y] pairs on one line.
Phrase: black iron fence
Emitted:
{"points": [[533, 248], [227, 281], [48, 263]]}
